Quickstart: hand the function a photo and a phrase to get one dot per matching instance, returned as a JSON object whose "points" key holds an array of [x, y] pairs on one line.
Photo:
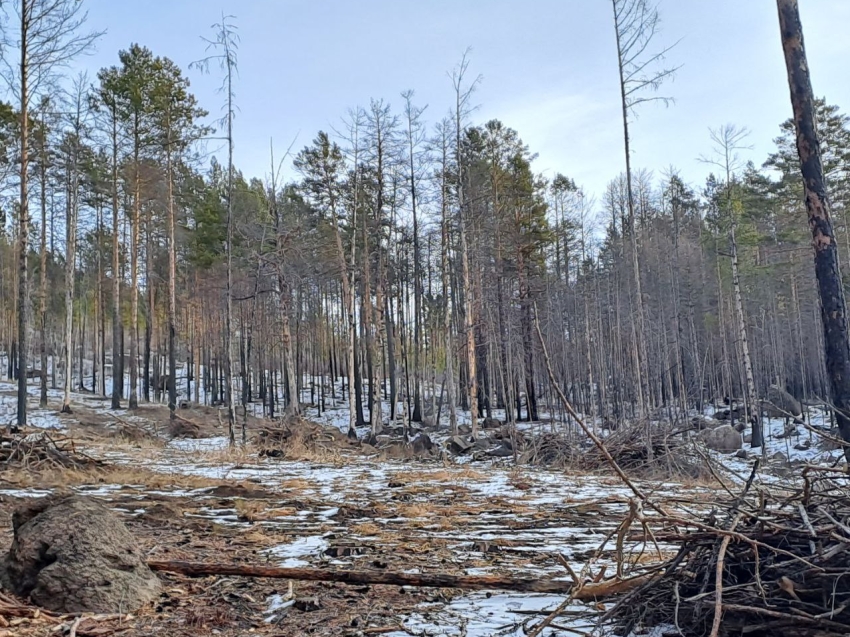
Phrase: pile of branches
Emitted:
{"points": [[40, 450], [761, 564], [548, 450], [665, 455], [294, 437]]}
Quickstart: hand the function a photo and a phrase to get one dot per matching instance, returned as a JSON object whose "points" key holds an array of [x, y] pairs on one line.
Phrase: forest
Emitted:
{"points": [[400, 297], [429, 248]]}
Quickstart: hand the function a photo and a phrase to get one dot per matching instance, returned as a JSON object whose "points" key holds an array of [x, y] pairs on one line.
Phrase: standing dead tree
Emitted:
{"points": [[636, 25], [728, 140], [463, 94], [224, 47], [836, 338]]}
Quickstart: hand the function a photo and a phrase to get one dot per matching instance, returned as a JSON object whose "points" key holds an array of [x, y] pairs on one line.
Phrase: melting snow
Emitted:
{"points": [[302, 547]]}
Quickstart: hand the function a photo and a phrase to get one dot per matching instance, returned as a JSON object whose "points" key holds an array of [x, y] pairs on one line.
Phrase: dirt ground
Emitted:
{"points": [[197, 500]]}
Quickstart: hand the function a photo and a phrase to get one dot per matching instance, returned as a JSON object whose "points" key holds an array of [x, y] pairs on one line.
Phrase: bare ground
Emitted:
{"points": [[197, 500]]}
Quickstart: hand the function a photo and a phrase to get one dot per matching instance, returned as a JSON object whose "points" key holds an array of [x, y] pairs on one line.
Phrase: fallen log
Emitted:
{"points": [[586, 592]]}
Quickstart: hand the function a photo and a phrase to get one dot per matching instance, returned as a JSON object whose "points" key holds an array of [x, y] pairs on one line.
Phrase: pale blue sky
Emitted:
{"points": [[548, 67]]}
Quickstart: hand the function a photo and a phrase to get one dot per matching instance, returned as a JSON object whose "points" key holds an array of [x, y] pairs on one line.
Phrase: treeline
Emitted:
{"points": [[406, 268]]}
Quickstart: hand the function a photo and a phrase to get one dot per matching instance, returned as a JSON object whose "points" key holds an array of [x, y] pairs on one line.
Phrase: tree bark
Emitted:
{"points": [[425, 580], [172, 281], [42, 401], [753, 409], [830, 288], [23, 222], [117, 373], [71, 208]]}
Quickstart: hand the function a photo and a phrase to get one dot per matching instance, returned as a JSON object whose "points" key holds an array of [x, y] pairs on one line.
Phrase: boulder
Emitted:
{"points": [[422, 444], [483, 444], [705, 422], [397, 451], [70, 554], [491, 423], [724, 439], [742, 454], [778, 403], [730, 414], [458, 445], [502, 451], [778, 458]]}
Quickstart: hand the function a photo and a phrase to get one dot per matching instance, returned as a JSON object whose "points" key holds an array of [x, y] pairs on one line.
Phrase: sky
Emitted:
{"points": [[548, 70]]}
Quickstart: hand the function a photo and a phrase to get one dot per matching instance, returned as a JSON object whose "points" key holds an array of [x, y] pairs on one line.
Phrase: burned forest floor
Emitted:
{"points": [[328, 503]]}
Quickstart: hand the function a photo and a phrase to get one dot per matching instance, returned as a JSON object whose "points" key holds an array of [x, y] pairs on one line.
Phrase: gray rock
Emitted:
{"points": [[742, 454], [778, 403], [724, 439], [422, 444], [397, 451], [458, 445], [71, 554], [779, 458], [483, 444], [502, 451], [730, 414]]}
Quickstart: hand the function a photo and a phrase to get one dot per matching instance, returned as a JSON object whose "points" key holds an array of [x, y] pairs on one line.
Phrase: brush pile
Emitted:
{"points": [[40, 450], [296, 436], [666, 455], [769, 564]]}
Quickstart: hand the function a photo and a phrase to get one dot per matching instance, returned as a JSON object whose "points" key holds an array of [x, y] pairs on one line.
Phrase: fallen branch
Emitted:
{"points": [[587, 592], [596, 440]]}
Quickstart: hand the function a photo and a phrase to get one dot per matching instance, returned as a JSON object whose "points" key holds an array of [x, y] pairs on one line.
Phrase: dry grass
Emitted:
{"points": [[295, 484], [366, 529], [520, 480], [456, 476], [257, 511], [237, 455], [300, 451], [257, 536], [116, 474], [416, 510]]}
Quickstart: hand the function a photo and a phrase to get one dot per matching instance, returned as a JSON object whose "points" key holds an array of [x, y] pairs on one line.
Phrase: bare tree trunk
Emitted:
{"points": [[151, 299], [117, 372], [134, 271], [172, 281], [412, 128], [42, 401], [23, 220], [72, 208], [469, 306], [284, 307], [752, 407], [833, 306], [228, 324], [449, 381]]}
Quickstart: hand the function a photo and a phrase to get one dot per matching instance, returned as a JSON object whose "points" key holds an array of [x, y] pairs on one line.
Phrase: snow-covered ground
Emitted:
{"points": [[532, 515]]}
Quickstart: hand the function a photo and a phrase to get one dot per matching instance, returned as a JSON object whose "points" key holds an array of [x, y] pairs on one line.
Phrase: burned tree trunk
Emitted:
{"points": [[833, 306]]}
